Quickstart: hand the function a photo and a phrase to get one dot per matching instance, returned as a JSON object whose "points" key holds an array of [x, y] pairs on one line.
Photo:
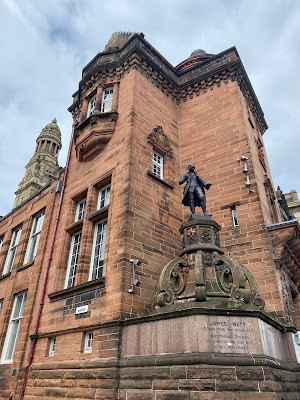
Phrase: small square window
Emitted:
{"points": [[104, 197], [107, 99], [80, 209], [158, 165], [91, 106], [88, 342], [52, 347]]}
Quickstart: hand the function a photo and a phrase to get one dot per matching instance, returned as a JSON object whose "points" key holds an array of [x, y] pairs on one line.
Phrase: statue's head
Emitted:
{"points": [[191, 167]]}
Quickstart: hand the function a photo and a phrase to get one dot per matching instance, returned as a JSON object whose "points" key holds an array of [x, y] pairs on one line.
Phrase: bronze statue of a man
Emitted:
{"points": [[194, 193]]}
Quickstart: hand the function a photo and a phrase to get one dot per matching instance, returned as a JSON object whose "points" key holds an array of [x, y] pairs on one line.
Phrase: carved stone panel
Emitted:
{"points": [[160, 142]]}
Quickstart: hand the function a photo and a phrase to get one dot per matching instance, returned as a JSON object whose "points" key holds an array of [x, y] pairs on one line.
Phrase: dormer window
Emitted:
{"points": [[107, 99], [91, 106]]}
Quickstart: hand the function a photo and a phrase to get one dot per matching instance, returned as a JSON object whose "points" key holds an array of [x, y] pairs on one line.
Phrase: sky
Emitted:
{"points": [[45, 44]]}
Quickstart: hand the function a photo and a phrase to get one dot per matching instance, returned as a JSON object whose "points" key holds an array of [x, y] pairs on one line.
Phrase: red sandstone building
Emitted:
{"points": [[75, 322]]}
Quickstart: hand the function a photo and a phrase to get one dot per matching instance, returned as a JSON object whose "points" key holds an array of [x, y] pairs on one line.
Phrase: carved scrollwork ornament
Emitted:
{"points": [[172, 281]]}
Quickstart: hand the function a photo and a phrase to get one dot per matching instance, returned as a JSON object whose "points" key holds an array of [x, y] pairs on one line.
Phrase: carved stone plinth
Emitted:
{"points": [[200, 234], [204, 275]]}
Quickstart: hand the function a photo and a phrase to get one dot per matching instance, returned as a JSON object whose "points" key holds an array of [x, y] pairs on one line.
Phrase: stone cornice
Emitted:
{"points": [[137, 53]]}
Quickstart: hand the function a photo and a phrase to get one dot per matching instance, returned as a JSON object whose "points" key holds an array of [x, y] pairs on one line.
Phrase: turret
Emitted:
{"points": [[45, 159]]}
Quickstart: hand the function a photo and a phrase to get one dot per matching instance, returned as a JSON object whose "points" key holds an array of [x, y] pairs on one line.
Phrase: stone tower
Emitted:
{"points": [[45, 159]]}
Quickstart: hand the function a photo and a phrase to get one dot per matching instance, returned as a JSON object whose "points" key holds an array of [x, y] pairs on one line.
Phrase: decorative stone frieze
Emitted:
{"points": [[110, 66], [159, 140], [261, 154]]}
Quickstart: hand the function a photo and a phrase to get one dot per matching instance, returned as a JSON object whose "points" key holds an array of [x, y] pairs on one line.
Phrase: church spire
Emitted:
{"points": [[45, 158]]}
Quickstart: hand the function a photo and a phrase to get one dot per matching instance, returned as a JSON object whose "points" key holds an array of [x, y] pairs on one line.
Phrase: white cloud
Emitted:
{"points": [[46, 44]]}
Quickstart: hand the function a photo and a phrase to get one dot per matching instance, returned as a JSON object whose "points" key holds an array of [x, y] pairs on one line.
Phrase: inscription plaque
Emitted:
{"points": [[230, 335], [190, 334]]}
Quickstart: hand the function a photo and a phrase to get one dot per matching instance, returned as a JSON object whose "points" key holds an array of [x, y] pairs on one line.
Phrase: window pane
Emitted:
{"points": [[88, 342], [91, 106], [73, 259], [13, 328], [98, 250], [52, 347], [34, 238], [235, 217], [104, 197], [12, 251], [107, 100], [12, 339], [158, 164], [80, 210]]}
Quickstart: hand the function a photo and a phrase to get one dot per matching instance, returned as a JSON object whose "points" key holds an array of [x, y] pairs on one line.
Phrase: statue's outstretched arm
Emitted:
{"points": [[183, 179]]}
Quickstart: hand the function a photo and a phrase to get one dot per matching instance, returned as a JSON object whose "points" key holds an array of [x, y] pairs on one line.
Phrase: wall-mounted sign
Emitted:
{"points": [[82, 309]]}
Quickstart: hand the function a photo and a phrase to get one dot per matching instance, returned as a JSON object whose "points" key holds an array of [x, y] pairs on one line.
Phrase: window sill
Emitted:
{"points": [[169, 185], [79, 289], [25, 266], [5, 276], [75, 227], [100, 214]]}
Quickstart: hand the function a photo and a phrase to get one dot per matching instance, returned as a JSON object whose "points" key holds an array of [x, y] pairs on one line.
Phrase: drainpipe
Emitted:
{"points": [[34, 340]]}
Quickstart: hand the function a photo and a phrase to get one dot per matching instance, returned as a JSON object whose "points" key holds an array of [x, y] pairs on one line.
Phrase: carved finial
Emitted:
{"points": [[54, 120]]}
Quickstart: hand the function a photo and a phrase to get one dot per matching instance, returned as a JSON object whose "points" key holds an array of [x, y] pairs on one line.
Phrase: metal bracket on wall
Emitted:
{"points": [[246, 172], [135, 282]]}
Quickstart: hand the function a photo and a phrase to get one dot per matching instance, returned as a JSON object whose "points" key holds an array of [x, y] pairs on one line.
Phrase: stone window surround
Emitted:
{"points": [[160, 144], [98, 93], [91, 219]]}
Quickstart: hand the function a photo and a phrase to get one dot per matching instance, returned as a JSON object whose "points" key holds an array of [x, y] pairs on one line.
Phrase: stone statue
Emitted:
{"points": [[194, 193]]}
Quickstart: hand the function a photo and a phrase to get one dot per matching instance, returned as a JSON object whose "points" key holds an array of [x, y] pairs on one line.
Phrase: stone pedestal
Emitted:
{"points": [[194, 330], [206, 302]]}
